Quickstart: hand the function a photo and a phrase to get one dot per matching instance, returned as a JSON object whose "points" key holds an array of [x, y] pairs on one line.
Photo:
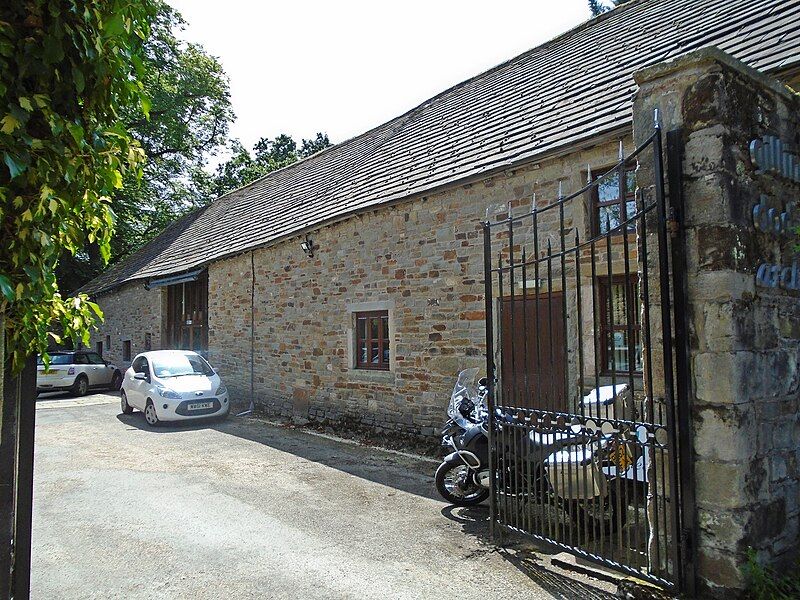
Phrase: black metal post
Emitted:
{"points": [[683, 379], [27, 426], [666, 332], [8, 462], [490, 370], [19, 401]]}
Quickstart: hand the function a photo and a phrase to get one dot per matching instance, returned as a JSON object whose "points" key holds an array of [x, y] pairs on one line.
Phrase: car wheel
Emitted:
{"points": [[150, 414], [116, 381], [81, 386], [123, 402]]}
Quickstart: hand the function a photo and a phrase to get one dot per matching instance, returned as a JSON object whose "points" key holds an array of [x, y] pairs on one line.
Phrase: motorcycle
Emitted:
{"points": [[566, 469], [463, 477]]}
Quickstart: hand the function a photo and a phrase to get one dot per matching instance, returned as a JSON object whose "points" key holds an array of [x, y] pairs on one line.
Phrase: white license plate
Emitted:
{"points": [[200, 405]]}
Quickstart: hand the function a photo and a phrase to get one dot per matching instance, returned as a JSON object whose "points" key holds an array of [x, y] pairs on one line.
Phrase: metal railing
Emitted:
{"points": [[580, 353]]}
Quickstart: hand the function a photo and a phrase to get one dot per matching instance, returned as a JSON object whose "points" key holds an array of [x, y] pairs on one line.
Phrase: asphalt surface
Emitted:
{"points": [[244, 509]]}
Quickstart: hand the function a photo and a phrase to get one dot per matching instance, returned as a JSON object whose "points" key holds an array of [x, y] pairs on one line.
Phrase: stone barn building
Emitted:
{"points": [[349, 286]]}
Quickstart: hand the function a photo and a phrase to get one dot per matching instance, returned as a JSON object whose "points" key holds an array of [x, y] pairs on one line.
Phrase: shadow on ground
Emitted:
{"points": [[404, 473], [518, 552]]}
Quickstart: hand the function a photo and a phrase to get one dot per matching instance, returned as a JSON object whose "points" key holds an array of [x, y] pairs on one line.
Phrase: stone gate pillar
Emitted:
{"points": [[740, 131]]}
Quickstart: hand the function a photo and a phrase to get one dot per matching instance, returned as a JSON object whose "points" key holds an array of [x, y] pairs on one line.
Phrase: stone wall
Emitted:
{"points": [[131, 313], [744, 337], [421, 260]]}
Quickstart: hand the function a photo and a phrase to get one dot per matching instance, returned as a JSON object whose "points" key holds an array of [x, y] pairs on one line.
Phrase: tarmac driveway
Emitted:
{"points": [[244, 509]]}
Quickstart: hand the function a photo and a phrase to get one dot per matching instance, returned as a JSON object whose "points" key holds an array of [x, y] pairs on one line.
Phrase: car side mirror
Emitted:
{"points": [[140, 376]]}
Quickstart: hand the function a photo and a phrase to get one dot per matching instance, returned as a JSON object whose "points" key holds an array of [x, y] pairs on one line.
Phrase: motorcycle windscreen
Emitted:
{"points": [[467, 387]]}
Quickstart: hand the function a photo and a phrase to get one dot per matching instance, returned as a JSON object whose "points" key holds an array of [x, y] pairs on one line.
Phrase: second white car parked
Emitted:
{"points": [[173, 385]]}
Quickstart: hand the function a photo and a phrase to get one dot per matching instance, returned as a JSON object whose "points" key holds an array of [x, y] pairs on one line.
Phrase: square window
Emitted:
{"points": [[372, 340]]}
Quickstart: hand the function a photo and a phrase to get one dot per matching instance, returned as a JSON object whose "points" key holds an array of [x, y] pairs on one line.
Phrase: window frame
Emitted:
{"points": [[597, 204], [384, 340], [604, 285]]}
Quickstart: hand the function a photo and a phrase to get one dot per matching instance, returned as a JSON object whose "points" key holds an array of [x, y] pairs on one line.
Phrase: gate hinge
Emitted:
{"points": [[673, 226]]}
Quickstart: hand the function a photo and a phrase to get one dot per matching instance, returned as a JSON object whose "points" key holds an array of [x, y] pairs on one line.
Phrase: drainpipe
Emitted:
{"points": [[252, 406]]}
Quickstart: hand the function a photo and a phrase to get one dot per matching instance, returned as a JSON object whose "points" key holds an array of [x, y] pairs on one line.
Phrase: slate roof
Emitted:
{"points": [[570, 89]]}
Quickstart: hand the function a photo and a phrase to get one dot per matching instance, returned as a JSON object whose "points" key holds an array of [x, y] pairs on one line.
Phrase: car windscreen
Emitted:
{"points": [[57, 359], [176, 365]]}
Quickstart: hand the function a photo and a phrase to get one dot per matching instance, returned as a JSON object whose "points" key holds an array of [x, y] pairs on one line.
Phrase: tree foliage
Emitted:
{"points": [[268, 155], [69, 69], [187, 122], [598, 7]]}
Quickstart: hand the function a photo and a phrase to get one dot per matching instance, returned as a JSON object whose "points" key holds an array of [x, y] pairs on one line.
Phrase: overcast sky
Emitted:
{"points": [[343, 67]]}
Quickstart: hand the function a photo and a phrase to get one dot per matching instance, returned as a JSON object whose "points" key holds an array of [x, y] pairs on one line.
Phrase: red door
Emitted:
{"points": [[533, 352]]}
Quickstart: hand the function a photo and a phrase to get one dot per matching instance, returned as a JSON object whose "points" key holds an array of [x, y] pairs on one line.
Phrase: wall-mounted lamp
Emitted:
{"points": [[308, 246]]}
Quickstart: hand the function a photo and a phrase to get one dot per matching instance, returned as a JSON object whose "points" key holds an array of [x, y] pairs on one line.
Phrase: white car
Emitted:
{"points": [[173, 385], [76, 372]]}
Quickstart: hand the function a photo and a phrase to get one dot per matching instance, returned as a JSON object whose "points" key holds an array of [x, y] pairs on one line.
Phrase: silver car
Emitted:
{"points": [[76, 372], [173, 385]]}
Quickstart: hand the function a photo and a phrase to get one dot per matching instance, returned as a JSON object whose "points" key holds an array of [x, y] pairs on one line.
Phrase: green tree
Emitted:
{"points": [[69, 69], [187, 122], [598, 7], [309, 147], [268, 155]]}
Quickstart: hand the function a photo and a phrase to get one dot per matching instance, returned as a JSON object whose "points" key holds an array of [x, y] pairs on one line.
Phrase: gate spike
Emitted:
{"points": [[560, 189], [621, 151], [588, 173], [509, 210], [656, 120], [533, 203]]}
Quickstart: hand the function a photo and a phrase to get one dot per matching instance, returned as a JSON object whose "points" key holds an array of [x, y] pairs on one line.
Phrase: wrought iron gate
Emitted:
{"points": [[589, 463]]}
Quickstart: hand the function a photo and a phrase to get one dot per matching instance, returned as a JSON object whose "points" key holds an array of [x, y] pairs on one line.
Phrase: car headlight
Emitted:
{"points": [[221, 390], [165, 392]]}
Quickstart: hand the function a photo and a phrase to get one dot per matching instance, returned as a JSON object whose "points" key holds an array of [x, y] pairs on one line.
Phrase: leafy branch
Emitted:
{"points": [[67, 68]]}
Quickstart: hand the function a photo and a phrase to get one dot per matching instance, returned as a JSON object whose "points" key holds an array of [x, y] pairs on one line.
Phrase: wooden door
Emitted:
{"points": [[187, 314], [538, 380]]}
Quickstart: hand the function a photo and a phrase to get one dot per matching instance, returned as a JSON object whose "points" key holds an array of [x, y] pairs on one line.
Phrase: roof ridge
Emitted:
{"points": [[546, 44], [305, 159], [410, 113]]}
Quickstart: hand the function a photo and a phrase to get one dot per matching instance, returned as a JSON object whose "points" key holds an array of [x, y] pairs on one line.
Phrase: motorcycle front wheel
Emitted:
{"points": [[456, 484]]}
